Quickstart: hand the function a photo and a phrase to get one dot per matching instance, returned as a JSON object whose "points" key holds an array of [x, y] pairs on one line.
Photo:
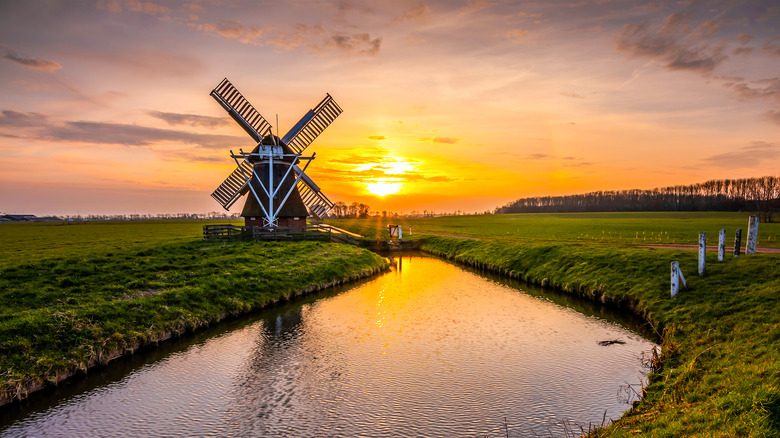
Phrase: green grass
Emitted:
{"points": [[74, 298], [27, 242], [610, 228], [719, 370]]}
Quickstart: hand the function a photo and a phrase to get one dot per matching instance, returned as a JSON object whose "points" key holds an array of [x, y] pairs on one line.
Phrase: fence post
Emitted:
{"points": [[752, 238], [721, 244], [737, 242], [678, 279], [702, 251]]}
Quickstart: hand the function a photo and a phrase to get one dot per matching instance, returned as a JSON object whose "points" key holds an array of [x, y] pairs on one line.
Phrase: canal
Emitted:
{"points": [[428, 349]]}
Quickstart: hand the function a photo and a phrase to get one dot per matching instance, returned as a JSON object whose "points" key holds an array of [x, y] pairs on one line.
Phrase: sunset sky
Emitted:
{"points": [[457, 105]]}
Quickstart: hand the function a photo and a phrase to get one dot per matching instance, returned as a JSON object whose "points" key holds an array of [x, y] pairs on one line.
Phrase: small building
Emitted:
{"points": [[293, 213]]}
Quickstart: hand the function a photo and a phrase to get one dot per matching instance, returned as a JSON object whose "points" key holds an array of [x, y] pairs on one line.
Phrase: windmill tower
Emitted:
{"points": [[281, 194]]}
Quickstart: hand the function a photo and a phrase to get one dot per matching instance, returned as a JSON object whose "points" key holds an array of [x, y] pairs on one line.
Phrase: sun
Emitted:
{"points": [[383, 188]]}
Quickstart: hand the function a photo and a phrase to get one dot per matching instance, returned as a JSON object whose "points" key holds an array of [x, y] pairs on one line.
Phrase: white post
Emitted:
{"points": [[410, 230], [721, 244], [678, 279], [737, 242], [702, 251], [752, 237]]}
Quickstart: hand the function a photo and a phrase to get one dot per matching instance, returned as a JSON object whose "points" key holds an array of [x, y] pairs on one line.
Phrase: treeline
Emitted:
{"points": [[761, 195]]}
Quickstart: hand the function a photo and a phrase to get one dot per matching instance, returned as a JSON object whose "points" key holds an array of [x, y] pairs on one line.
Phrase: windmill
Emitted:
{"points": [[281, 194]]}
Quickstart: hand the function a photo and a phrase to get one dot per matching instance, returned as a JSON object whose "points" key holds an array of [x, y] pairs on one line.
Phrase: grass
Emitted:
{"points": [[28, 242], [719, 370], [73, 299], [646, 228]]}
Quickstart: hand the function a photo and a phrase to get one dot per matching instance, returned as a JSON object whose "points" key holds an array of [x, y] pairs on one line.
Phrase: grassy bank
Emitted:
{"points": [[64, 312], [719, 371], [645, 228]]}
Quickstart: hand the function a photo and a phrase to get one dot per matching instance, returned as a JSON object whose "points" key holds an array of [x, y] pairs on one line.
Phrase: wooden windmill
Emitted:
{"points": [[282, 195]]}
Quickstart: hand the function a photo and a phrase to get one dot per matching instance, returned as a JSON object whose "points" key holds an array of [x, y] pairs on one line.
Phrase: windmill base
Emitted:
{"points": [[283, 222]]}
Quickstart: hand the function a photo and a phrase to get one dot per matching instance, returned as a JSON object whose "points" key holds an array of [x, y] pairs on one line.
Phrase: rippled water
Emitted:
{"points": [[426, 350]]}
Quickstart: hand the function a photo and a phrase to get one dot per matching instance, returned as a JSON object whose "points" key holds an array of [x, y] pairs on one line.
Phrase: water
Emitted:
{"points": [[429, 349]]}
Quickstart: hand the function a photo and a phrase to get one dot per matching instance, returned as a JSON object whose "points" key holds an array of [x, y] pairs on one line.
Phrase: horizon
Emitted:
{"points": [[105, 106]]}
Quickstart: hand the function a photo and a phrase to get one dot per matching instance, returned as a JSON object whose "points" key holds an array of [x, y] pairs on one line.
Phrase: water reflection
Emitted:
{"points": [[428, 350]]}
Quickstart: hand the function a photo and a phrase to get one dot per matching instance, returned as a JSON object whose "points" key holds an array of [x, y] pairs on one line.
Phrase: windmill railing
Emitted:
{"points": [[312, 232]]}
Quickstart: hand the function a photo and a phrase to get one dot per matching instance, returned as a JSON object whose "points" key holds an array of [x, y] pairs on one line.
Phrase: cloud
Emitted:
{"points": [[153, 63], [377, 137], [572, 94], [147, 8], [760, 89], [175, 119], [443, 140], [663, 46], [773, 116], [37, 64], [748, 156], [21, 120], [744, 38], [232, 29], [476, 5], [416, 13], [360, 43], [39, 126], [376, 173], [134, 135], [518, 36], [315, 38], [772, 49]]}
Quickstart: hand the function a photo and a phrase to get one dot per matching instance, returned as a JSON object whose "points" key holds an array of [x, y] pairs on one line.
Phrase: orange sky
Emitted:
{"points": [[105, 106]]}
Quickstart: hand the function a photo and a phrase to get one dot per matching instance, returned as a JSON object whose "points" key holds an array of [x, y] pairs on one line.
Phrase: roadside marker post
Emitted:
{"points": [[752, 238], [677, 279], [702, 252]]}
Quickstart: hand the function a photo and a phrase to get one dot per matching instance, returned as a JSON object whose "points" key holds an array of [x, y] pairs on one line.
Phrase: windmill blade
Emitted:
{"points": [[316, 202], [312, 124], [233, 186], [241, 110]]}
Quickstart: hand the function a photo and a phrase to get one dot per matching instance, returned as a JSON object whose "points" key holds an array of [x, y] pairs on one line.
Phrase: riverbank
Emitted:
{"points": [[62, 315], [719, 370]]}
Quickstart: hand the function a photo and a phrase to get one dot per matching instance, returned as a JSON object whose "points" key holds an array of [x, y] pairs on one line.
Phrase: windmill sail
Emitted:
{"points": [[312, 124], [234, 185], [318, 204], [241, 110]]}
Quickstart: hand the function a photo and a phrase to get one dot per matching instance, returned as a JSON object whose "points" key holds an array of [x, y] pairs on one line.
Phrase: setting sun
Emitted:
{"points": [[384, 188]]}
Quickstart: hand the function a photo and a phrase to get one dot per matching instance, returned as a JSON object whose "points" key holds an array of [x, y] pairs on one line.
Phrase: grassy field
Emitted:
{"points": [[609, 228], [27, 242], [75, 296]]}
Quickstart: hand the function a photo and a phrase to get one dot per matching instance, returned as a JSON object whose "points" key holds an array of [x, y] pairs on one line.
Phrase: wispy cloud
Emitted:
{"points": [[34, 63], [760, 89], [442, 140], [314, 38], [476, 5], [748, 156], [36, 126], [773, 116], [20, 120], [377, 137], [175, 119], [665, 46]]}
